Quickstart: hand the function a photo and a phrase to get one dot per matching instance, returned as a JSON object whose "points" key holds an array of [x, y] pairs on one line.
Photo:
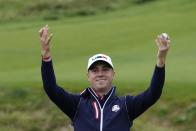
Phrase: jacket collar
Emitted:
{"points": [[88, 92]]}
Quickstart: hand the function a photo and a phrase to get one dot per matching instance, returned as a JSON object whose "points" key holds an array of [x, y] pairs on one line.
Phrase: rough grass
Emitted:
{"points": [[20, 10], [128, 36]]}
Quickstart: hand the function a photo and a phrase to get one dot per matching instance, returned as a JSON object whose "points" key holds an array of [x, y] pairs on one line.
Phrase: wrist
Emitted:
{"points": [[45, 50], [160, 62], [161, 54], [46, 58]]}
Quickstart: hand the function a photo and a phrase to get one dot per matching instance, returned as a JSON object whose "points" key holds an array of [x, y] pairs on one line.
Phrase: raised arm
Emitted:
{"points": [[136, 105], [65, 101]]}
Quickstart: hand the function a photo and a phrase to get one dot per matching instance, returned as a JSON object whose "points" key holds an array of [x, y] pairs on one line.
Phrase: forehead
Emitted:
{"points": [[99, 63]]}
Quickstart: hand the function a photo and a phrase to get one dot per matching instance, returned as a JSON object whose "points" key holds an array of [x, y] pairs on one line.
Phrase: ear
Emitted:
{"points": [[87, 75]]}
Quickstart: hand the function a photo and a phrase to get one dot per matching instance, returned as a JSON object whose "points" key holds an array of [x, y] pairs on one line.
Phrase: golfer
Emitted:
{"points": [[98, 108]]}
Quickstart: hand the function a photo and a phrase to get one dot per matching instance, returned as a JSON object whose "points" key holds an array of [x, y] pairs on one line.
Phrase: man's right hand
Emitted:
{"points": [[45, 38]]}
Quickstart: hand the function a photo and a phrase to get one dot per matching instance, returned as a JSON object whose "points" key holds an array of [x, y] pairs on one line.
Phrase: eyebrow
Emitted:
{"points": [[104, 66]]}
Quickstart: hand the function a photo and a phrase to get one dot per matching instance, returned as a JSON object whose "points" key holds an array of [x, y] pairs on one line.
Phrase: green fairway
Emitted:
{"points": [[128, 36]]}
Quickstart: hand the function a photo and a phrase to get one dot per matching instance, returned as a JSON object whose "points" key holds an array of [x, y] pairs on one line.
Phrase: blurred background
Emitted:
{"points": [[124, 29]]}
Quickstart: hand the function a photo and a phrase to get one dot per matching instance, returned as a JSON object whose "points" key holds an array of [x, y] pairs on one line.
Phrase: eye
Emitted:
{"points": [[105, 69], [94, 70]]}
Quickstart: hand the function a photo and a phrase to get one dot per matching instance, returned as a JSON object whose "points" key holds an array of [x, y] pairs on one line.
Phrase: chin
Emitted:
{"points": [[101, 87]]}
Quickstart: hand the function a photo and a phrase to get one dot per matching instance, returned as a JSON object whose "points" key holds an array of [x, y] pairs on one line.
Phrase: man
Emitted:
{"points": [[98, 108]]}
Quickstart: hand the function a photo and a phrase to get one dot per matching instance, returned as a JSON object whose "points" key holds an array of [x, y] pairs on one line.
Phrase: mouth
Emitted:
{"points": [[101, 80]]}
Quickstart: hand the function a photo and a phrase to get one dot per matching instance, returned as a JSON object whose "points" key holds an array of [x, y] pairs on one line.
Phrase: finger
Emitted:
{"points": [[159, 39], [168, 38], [47, 30], [46, 27], [49, 38], [45, 33], [168, 43], [41, 32]]}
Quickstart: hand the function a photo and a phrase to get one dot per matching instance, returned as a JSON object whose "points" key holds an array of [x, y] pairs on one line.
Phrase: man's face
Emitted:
{"points": [[100, 76]]}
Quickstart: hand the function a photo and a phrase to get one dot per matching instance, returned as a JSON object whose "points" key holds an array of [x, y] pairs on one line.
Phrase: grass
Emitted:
{"points": [[12, 10], [127, 35]]}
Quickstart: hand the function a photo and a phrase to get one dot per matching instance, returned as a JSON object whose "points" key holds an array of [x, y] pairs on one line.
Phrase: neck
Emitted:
{"points": [[101, 93]]}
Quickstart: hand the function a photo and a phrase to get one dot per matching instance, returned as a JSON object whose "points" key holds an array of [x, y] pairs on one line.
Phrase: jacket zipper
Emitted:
{"points": [[101, 109]]}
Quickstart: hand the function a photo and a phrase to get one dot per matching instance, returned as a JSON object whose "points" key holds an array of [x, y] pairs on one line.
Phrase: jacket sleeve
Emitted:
{"points": [[136, 105], [65, 101]]}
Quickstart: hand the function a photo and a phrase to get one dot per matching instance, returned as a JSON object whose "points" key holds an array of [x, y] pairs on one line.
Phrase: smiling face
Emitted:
{"points": [[100, 76]]}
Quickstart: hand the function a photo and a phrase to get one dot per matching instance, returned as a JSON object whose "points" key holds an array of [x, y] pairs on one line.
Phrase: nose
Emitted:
{"points": [[100, 73]]}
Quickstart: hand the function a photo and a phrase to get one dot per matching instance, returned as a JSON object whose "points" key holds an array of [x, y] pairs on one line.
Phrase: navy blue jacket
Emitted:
{"points": [[89, 113]]}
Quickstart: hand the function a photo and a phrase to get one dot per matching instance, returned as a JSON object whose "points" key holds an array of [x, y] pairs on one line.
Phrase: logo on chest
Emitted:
{"points": [[115, 108]]}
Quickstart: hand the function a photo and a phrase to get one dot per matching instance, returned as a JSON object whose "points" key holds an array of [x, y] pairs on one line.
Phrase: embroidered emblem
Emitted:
{"points": [[115, 108]]}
